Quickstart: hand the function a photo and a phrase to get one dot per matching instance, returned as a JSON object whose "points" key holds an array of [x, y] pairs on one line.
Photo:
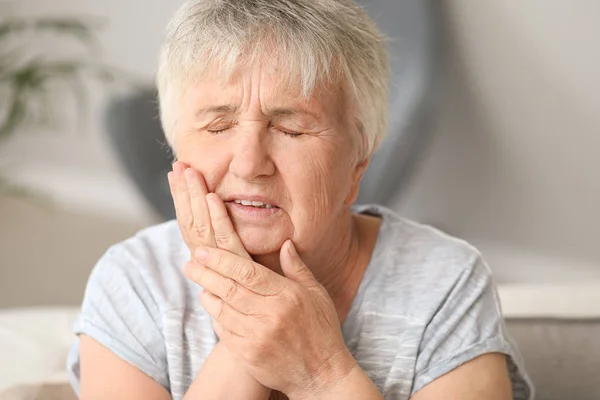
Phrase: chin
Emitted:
{"points": [[261, 241]]}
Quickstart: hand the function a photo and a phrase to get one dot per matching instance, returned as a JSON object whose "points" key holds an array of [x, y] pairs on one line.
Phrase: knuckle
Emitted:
{"points": [[185, 221], [201, 230], [278, 321], [221, 309], [231, 290], [247, 273], [221, 238], [294, 299]]}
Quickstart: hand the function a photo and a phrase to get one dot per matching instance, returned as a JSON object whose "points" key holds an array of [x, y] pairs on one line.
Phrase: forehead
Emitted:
{"points": [[268, 86]]}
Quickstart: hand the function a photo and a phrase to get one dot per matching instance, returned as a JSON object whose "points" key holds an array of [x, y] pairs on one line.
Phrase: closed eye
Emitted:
{"points": [[290, 134], [220, 125], [287, 133], [216, 131]]}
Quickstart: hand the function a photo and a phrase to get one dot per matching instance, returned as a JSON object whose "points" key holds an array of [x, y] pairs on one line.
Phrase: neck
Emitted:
{"points": [[337, 264]]}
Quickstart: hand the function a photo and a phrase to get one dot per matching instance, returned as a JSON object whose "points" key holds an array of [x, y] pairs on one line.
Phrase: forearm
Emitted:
{"points": [[221, 377], [346, 381], [356, 385]]}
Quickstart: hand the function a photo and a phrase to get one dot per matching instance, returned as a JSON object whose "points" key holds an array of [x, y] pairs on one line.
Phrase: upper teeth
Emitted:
{"points": [[253, 203]]}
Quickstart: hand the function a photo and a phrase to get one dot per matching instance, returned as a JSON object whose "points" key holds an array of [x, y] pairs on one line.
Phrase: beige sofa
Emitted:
{"points": [[562, 356], [557, 330]]}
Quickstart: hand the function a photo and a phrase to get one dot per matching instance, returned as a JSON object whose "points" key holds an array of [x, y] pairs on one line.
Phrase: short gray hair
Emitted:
{"points": [[318, 41]]}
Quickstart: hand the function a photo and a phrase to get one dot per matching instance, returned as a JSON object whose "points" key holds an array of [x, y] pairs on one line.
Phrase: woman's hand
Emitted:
{"points": [[222, 376], [285, 330], [189, 191]]}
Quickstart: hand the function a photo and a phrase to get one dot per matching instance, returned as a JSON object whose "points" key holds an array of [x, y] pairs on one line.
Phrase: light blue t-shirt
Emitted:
{"points": [[426, 305]]}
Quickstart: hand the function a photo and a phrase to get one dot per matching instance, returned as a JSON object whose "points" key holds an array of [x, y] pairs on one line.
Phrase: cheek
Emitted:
{"points": [[318, 181], [206, 156]]}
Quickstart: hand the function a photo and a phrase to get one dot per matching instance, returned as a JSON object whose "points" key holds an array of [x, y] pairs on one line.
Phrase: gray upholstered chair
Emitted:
{"points": [[411, 27], [136, 134], [415, 53]]}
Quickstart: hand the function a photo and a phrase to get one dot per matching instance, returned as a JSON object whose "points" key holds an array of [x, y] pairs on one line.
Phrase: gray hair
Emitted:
{"points": [[317, 41]]}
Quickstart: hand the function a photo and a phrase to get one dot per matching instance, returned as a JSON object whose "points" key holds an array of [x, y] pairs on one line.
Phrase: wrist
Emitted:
{"points": [[356, 384], [335, 371], [223, 376]]}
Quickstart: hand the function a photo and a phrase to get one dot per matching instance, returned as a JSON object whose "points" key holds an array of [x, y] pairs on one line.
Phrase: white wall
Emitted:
{"points": [[515, 163], [47, 253], [78, 168]]}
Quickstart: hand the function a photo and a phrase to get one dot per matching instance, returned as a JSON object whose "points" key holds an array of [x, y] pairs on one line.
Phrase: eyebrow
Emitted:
{"points": [[275, 112], [222, 109]]}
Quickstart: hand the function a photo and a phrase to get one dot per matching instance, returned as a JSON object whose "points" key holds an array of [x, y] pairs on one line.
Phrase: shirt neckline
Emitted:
{"points": [[372, 267]]}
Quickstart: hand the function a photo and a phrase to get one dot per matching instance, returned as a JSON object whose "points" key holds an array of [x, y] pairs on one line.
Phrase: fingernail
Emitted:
{"points": [[187, 267], [176, 170], [201, 253], [188, 176], [210, 199], [292, 249]]}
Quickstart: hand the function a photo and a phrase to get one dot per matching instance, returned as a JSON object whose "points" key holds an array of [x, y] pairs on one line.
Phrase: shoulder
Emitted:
{"points": [[149, 262], [416, 264], [159, 242], [431, 299], [413, 249], [129, 290]]}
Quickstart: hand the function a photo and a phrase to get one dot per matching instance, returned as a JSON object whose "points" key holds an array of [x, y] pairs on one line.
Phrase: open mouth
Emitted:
{"points": [[255, 204]]}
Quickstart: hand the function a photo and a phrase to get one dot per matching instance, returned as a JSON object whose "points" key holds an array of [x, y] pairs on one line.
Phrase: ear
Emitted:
{"points": [[357, 175]]}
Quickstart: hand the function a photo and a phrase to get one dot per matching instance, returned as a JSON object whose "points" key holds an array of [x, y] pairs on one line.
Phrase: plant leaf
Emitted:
{"points": [[16, 115], [25, 84], [82, 30], [80, 93], [12, 26], [11, 189]]}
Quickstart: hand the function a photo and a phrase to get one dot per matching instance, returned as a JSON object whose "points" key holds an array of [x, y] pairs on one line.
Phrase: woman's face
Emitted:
{"points": [[257, 141]]}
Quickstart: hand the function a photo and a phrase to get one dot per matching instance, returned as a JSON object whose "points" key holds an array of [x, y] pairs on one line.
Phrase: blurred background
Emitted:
{"points": [[510, 162]]}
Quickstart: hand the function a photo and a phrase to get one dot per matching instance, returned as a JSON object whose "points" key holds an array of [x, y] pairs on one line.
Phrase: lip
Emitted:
{"points": [[249, 213], [252, 214], [249, 197]]}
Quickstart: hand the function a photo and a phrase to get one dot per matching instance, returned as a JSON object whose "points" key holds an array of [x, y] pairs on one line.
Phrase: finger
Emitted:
{"points": [[221, 332], [292, 265], [181, 198], [231, 292], [225, 235], [196, 188], [247, 273], [229, 318], [173, 178]]}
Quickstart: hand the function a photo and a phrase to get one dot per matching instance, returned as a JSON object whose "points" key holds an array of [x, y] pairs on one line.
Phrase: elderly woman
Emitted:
{"points": [[270, 284]]}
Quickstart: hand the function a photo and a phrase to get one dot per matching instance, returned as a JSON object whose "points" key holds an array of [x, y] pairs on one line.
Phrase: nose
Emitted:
{"points": [[251, 158]]}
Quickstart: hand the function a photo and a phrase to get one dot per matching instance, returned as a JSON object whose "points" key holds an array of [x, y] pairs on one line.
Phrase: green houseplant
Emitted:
{"points": [[31, 76]]}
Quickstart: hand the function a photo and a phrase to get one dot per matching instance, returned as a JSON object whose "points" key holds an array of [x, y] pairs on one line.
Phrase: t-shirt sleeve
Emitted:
{"points": [[468, 324], [120, 312]]}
